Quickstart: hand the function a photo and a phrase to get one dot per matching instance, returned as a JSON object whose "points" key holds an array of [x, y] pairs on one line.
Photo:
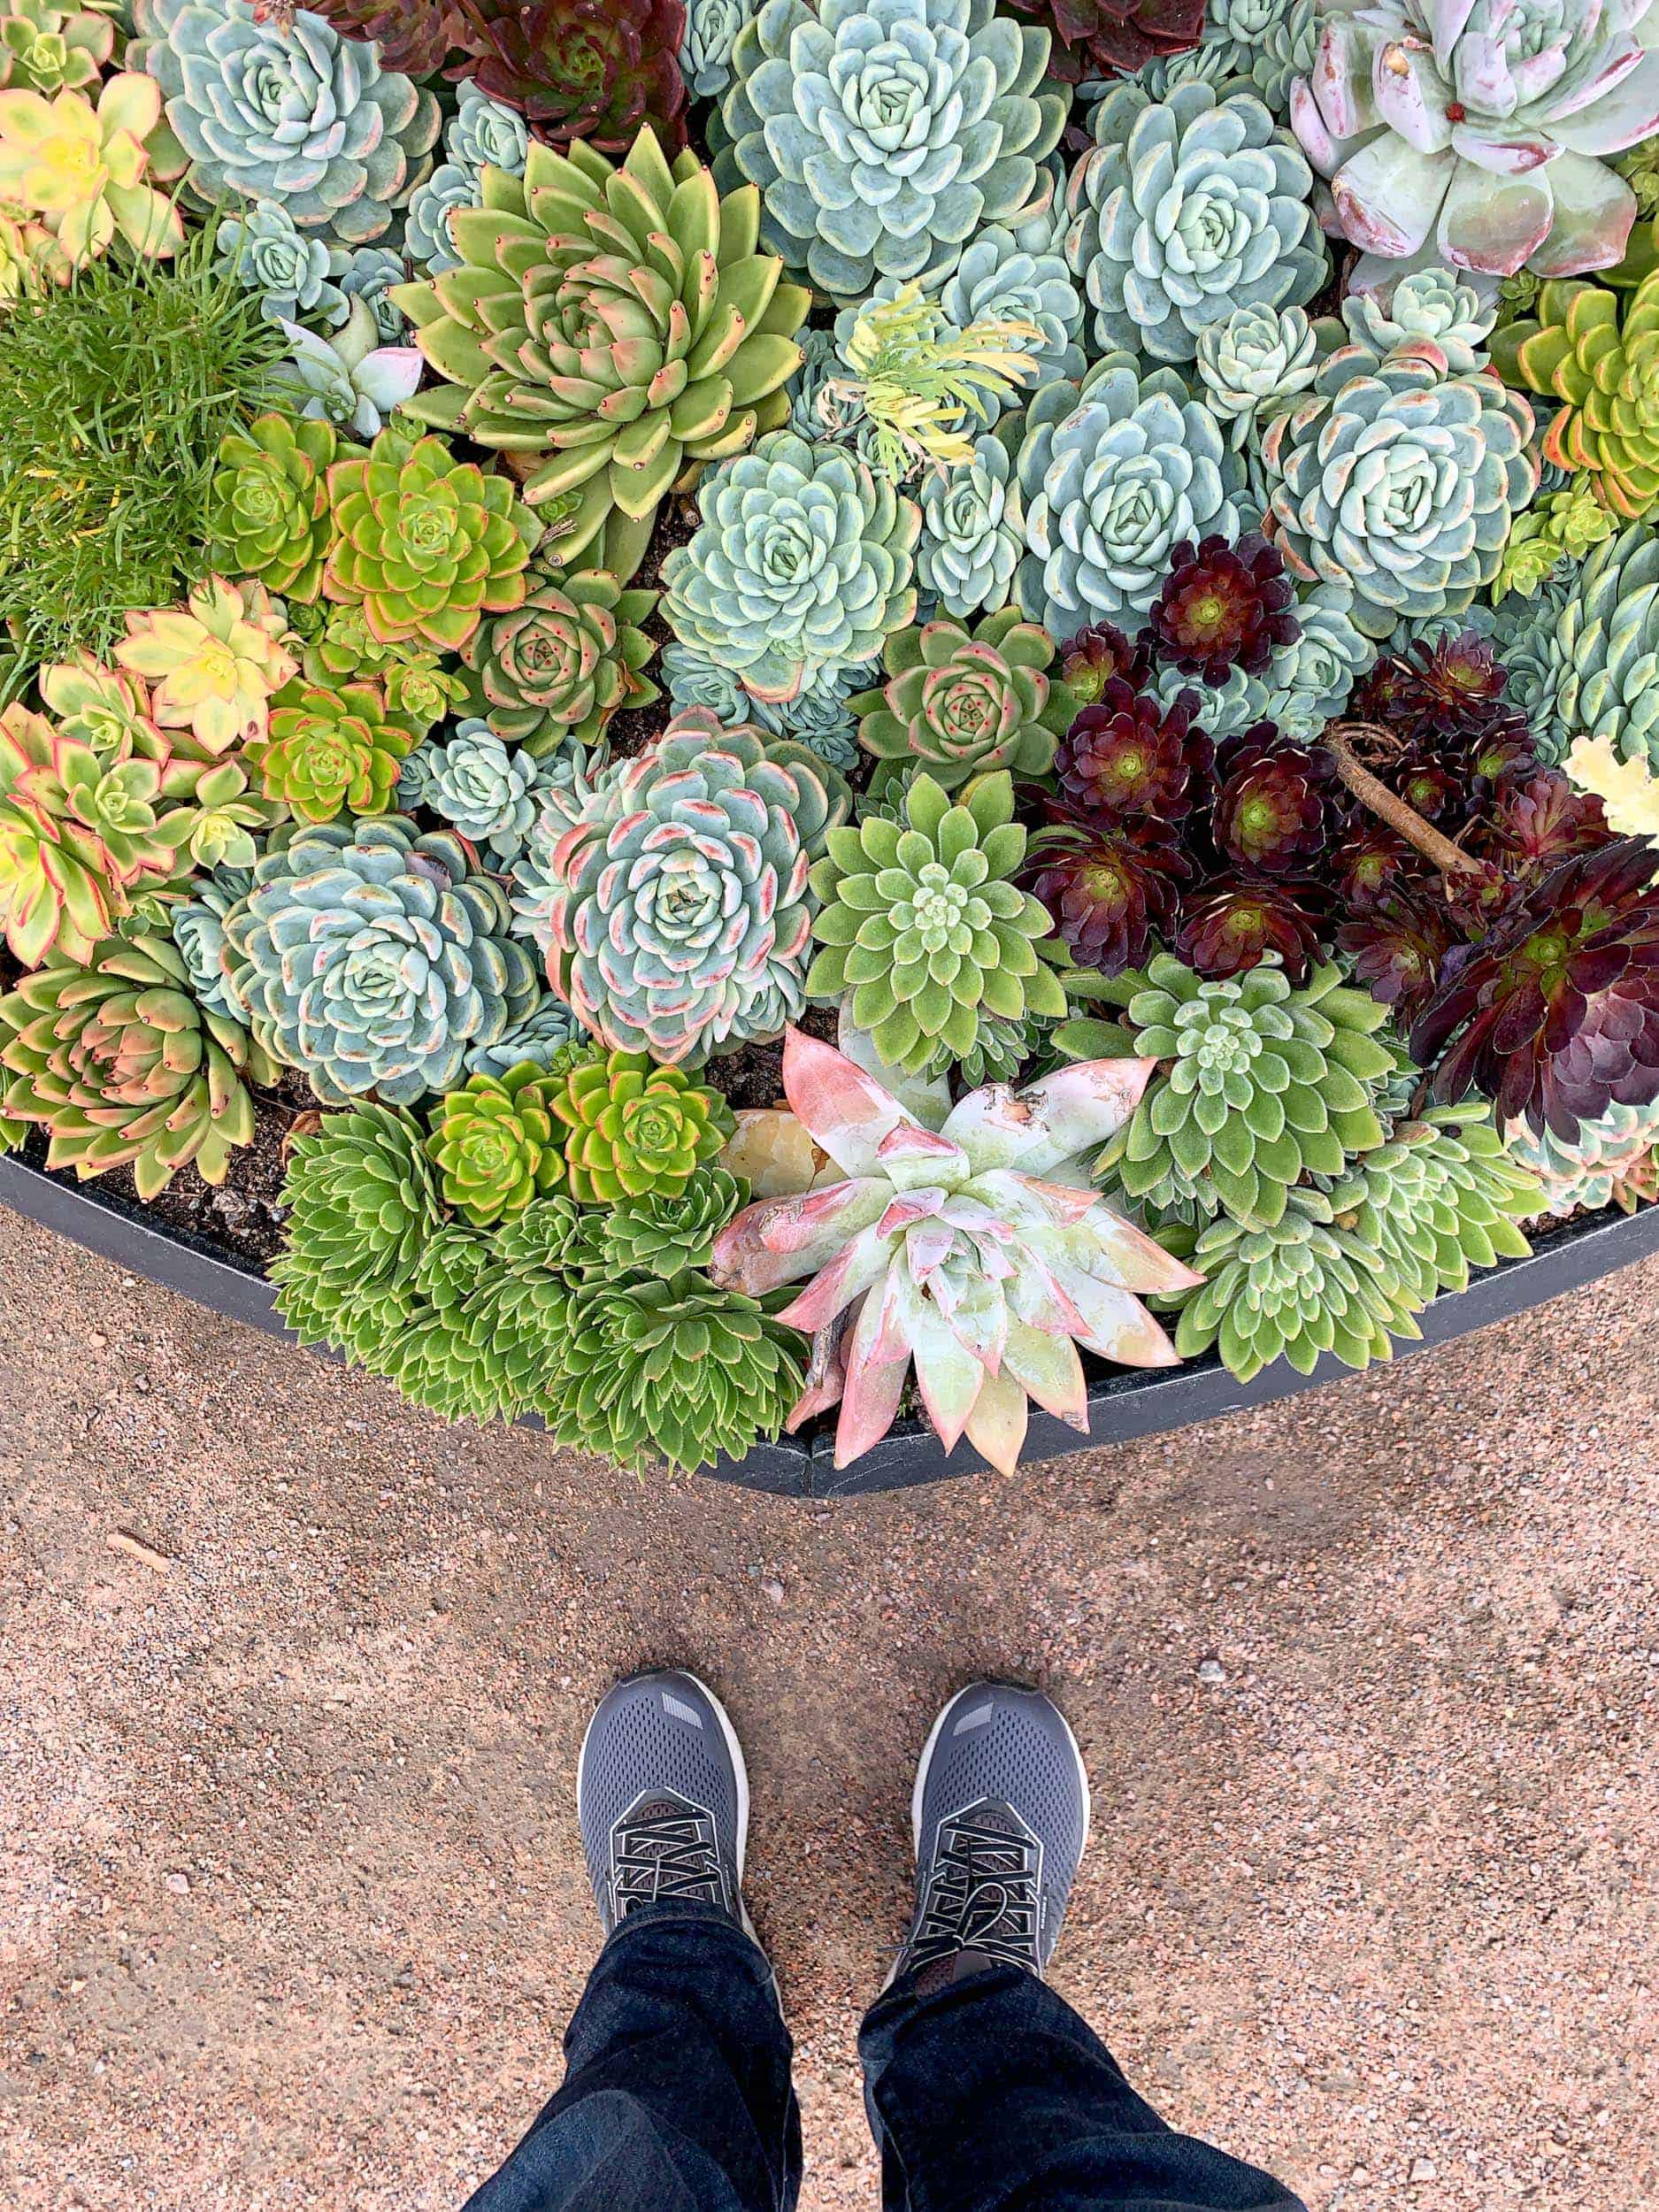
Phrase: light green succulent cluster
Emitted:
{"points": [[1598, 675], [1609, 1160], [962, 703], [924, 933], [1441, 1197]]}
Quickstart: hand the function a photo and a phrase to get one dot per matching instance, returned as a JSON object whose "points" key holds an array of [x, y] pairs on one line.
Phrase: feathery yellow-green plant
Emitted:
{"points": [[919, 378]]}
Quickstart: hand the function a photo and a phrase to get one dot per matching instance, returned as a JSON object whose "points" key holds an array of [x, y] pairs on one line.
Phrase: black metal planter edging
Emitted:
{"points": [[1122, 1406]]}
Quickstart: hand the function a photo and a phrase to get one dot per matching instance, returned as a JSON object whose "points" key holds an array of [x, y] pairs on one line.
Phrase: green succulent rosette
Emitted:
{"points": [[495, 1144]]}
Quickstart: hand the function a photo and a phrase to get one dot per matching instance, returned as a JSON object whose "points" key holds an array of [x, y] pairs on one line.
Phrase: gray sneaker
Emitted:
{"points": [[663, 1798], [1001, 1815]]}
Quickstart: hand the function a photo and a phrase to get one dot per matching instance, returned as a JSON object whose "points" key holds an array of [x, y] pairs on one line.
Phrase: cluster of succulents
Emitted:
{"points": [[1104, 553]]}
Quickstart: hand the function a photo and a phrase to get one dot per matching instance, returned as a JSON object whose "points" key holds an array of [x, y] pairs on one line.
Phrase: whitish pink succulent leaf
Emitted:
{"points": [[1493, 223], [1341, 81], [1614, 98], [863, 1265], [1388, 195], [847, 1112], [1049, 1124], [779, 1241], [1412, 96], [948, 1376], [913, 1158], [926, 1097], [1048, 1368], [996, 1427], [1594, 210], [875, 1380]]}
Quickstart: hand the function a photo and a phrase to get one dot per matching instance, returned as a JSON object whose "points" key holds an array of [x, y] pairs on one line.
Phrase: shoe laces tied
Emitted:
{"points": [[984, 1893], [662, 1853]]}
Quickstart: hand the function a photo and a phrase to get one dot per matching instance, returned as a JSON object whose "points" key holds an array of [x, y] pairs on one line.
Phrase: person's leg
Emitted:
{"points": [[986, 2093], [676, 2094]]}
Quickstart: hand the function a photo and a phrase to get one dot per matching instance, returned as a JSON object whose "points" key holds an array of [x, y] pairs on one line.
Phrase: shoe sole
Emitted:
{"points": [[932, 1745], [739, 1767]]}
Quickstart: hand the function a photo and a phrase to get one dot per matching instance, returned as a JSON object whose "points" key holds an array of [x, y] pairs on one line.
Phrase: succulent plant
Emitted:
{"points": [[923, 930], [821, 716], [120, 1064], [678, 907], [1552, 537], [1399, 479], [269, 516], [1269, 42], [57, 887], [1115, 473], [1431, 304], [1469, 133], [1185, 210], [1595, 669], [1263, 1084], [801, 565], [1110, 38], [1252, 360], [329, 753], [360, 1199], [1609, 1160], [1109, 887], [212, 665], [84, 169], [347, 377], [286, 112], [481, 786], [964, 703], [1127, 755], [1554, 1015], [426, 543], [1596, 351], [1310, 679], [915, 384], [554, 669], [972, 531], [883, 132], [427, 239], [1441, 1197], [1237, 922], [292, 273], [495, 1144], [553, 332], [663, 1233], [538, 1038], [1397, 946], [49, 49], [1293, 1289], [1000, 282], [197, 925], [629, 1130], [1276, 806], [369, 275], [583, 73], [963, 1239], [486, 134], [705, 51], [1224, 607], [374, 959]]}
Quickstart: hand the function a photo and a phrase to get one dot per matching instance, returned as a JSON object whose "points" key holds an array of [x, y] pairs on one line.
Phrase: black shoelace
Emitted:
{"points": [[665, 1852], [983, 1893]]}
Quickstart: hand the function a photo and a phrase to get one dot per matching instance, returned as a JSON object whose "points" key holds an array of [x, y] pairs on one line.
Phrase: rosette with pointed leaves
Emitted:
{"points": [[1109, 887], [554, 669], [1397, 948], [427, 239], [1533, 822], [629, 1130], [268, 253], [1432, 303], [284, 109], [583, 69], [962, 703], [331, 752], [1111, 38], [417, 36], [1236, 923], [426, 543], [120, 1064], [1276, 807], [1294, 1290], [374, 959], [1441, 1197], [618, 327], [1101, 654], [56, 888], [663, 1232], [964, 1238], [972, 531], [1262, 1084], [1224, 607], [48, 49], [803, 563], [1596, 351], [1554, 1015], [1470, 132], [678, 908], [1185, 210], [1253, 363], [883, 132], [1126, 754], [197, 925], [495, 1144], [1115, 473], [213, 664], [923, 930], [1609, 1162], [361, 1200], [270, 515], [1399, 479]]}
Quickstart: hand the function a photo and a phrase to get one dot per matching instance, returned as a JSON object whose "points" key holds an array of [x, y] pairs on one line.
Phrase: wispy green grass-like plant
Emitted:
{"points": [[114, 394]]}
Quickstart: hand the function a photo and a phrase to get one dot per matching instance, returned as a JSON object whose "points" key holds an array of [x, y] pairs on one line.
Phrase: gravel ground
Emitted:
{"points": [[291, 1906]]}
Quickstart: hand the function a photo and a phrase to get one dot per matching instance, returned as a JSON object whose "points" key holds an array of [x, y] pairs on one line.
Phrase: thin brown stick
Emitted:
{"points": [[1388, 805]]}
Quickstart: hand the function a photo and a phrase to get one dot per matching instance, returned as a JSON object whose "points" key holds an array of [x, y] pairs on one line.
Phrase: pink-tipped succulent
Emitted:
{"points": [[964, 1239]]}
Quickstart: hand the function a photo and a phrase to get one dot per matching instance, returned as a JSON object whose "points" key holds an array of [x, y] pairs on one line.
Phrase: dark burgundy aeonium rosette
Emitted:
{"points": [[1110, 888], [1224, 607], [1130, 755], [1276, 803], [1233, 923]]}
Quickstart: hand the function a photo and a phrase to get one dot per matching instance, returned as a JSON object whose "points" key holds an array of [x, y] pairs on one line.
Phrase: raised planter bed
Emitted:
{"points": [[1135, 1403]]}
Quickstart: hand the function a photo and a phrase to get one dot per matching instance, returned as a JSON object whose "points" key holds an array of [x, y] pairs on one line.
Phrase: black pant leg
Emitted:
{"points": [[676, 2094], [988, 2093]]}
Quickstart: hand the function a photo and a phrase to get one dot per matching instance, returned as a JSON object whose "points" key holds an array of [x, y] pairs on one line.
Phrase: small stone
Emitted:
{"points": [[180, 1885], [773, 1591], [1212, 1671], [1423, 2169]]}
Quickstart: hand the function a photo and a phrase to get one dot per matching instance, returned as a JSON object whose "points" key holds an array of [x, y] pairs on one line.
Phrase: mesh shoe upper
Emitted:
{"points": [[1001, 1816], [663, 1798]]}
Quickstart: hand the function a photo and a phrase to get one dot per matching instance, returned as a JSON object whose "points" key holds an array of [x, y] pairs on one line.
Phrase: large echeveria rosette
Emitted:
{"points": [[884, 132], [290, 112]]}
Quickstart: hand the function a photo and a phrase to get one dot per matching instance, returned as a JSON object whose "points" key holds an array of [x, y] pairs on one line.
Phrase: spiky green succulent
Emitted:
{"points": [[1608, 1161], [924, 933], [362, 1206], [425, 542], [962, 703], [122, 1067], [495, 1145], [1185, 210], [664, 1232], [1302, 1287], [1260, 1084], [972, 531], [883, 132], [555, 668], [804, 562], [630, 1130], [1598, 672], [1441, 1197], [618, 327], [280, 107], [270, 515], [328, 753], [374, 959]]}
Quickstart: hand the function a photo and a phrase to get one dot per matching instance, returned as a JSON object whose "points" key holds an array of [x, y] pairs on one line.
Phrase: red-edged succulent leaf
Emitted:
{"points": [[416, 36], [1276, 808], [1127, 756], [1533, 825], [592, 69], [1234, 924], [1224, 607]]}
